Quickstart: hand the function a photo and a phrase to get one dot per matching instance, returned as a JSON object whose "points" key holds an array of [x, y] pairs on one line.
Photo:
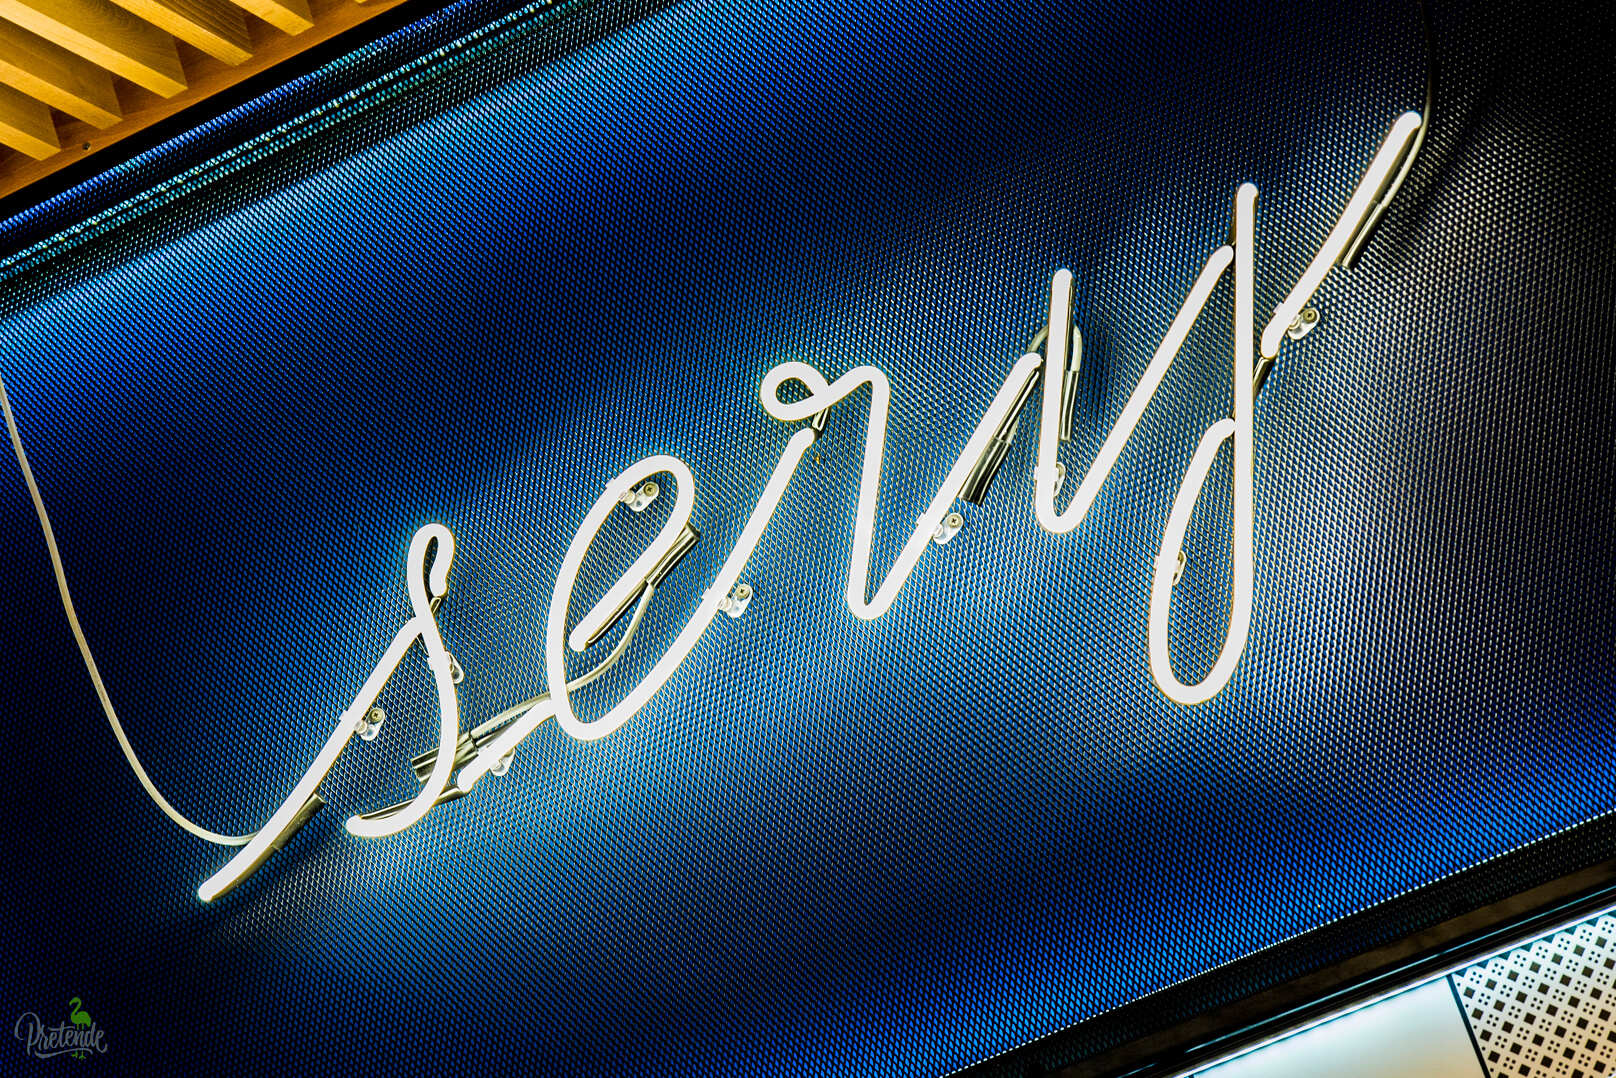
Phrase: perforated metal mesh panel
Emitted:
{"points": [[471, 274]]}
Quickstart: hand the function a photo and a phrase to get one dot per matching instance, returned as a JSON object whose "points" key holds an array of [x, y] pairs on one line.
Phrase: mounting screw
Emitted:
{"points": [[637, 500], [734, 604], [950, 526], [368, 727], [1304, 324]]}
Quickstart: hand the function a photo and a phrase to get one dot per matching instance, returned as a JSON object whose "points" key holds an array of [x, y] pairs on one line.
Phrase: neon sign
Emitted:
{"points": [[488, 748], [638, 581]]}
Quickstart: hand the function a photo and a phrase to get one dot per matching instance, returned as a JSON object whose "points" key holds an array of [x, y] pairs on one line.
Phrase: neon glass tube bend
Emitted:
{"points": [[422, 624], [1060, 315], [525, 717], [1239, 428], [555, 628], [437, 660], [823, 394], [591, 623]]}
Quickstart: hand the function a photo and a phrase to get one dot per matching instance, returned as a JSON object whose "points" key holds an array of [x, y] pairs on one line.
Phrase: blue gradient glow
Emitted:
{"points": [[828, 846]]}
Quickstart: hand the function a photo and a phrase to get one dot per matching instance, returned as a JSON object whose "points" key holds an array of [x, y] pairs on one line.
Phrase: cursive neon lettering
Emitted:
{"points": [[424, 624], [426, 589]]}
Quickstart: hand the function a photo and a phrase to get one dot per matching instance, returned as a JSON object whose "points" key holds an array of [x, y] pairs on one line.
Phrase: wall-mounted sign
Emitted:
{"points": [[841, 539], [494, 743]]}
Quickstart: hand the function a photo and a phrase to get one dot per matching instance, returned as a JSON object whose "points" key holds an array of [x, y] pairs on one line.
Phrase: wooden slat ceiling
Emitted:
{"points": [[77, 76]]}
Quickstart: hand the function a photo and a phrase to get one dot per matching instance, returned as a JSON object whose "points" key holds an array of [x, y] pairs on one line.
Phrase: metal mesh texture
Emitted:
{"points": [[475, 292]]}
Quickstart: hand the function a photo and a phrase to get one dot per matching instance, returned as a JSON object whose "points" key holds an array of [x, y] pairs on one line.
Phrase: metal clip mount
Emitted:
{"points": [[735, 603], [370, 724], [947, 528], [1304, 323], [659, 572], [637, 499]]}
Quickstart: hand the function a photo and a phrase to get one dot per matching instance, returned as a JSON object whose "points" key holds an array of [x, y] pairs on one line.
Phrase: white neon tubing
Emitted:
{"points": [[555, 629], [635, 575], [822, 395], [315, 775], [525, 717], [1057, 348], [1240, 429], [423, 624], [512, 713], [1060, 314], [505, 744], [1357, 206], [437, 660]]}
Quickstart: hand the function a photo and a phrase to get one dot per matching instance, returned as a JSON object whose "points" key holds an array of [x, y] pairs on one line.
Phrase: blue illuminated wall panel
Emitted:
{"points": [[474, 287]]}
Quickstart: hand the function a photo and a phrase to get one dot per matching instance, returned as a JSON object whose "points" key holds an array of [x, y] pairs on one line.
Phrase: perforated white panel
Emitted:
{"points": [[1546, 1010]]}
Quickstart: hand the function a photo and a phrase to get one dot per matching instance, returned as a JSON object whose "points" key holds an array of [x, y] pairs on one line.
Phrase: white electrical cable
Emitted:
{"points": [[106, 701], [84, 647]]}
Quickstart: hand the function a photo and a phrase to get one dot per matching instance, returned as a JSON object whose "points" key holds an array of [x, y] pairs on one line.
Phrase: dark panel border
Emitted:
{"points": [[1473, 913], [1453, 922]]}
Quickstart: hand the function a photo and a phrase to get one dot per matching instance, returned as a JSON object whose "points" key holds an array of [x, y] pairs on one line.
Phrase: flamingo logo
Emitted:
{"points": [[76, 1036], [79, 1018]]}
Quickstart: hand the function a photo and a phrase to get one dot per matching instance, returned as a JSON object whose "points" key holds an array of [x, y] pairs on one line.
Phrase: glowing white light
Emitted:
{"points": [[250, 854], [821, 395], [1374, 178], [1060, 314], [1240, 429], [423, 624], [504, 744], [706, 609], [437, 659], [613, 600]]}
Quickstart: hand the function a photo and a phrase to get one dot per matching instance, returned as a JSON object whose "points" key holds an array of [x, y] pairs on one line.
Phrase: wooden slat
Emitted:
{"points": [[208, 76], [217, 27], [26, 124], [287, 16], [57, 77], [105, 34]]}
